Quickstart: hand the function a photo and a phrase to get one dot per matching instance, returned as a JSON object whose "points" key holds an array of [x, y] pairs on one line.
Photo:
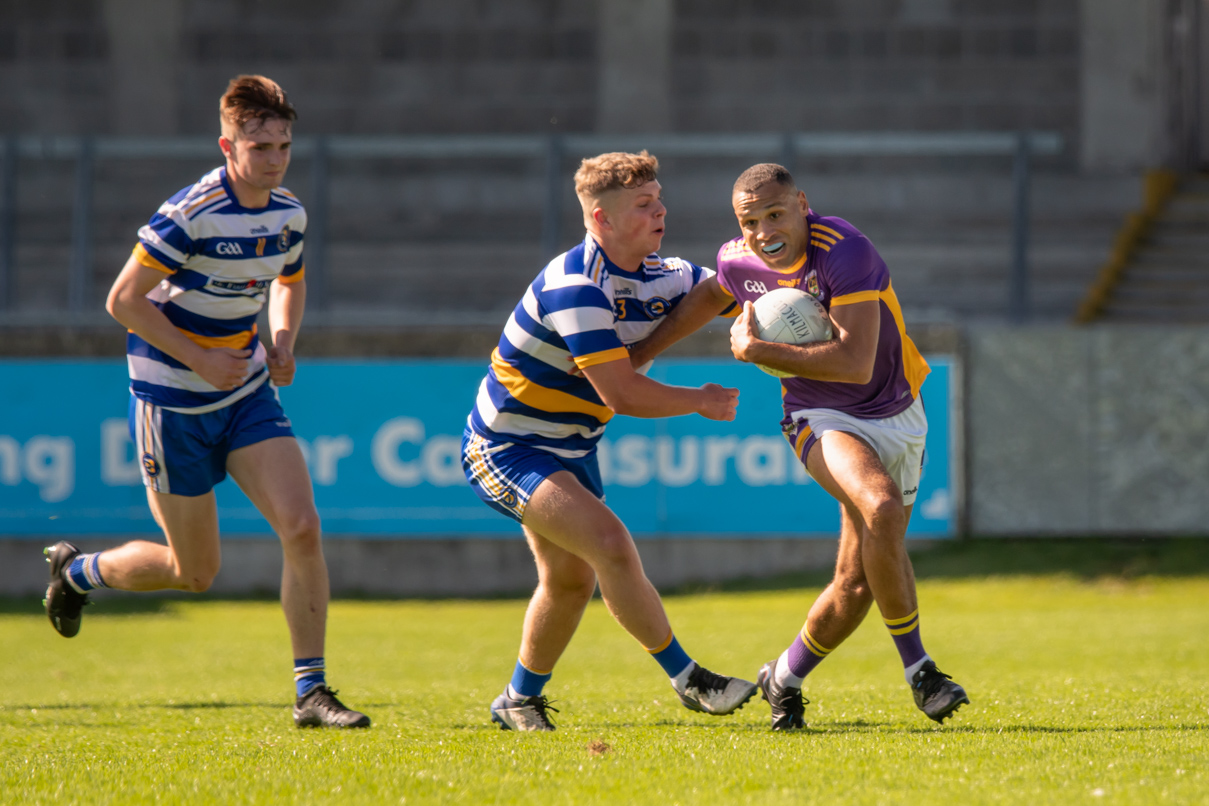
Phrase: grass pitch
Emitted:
{"points": [[1086, 687]]}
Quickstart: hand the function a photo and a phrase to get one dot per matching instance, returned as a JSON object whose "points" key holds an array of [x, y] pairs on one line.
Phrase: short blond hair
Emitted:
{"points": [[613, 171]]}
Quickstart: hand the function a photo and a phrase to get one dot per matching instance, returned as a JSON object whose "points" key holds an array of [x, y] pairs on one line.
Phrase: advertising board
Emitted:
{"points": [[382, 442]]}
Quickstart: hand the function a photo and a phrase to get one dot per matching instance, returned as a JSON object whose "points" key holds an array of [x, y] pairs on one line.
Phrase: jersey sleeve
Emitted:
{"points": [[855, 272], [165, 242], [734, 308], [723, 278], [295, 267], [582, 314]]}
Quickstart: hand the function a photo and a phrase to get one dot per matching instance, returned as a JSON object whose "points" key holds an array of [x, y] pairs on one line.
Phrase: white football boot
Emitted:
{"points": [[525, 713], [714, 694]]}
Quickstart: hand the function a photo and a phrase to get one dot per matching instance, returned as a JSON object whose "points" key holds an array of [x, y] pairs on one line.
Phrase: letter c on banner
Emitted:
{"points": [[385, 451]]}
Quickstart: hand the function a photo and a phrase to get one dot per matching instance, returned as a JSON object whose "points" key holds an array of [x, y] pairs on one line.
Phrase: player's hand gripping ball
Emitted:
{"points": [[790, 316]]}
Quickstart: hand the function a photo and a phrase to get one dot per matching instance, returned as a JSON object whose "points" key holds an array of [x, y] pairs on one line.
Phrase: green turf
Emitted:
{"points": [[1085, 688]]}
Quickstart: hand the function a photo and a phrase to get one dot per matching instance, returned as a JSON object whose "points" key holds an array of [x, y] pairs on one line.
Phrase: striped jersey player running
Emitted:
{"points": [[852, 414], [560, 373], [202, 398]]}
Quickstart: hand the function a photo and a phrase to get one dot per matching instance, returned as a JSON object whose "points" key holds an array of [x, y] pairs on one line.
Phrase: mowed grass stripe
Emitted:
{"points": [[1081, 690]]}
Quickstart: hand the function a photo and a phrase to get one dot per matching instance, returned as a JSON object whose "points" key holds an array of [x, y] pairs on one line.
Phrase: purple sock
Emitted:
{"points": [[803, 655], [905, 632]]}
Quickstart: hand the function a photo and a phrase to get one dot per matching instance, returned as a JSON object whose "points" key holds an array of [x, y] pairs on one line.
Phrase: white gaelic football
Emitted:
{"points": [[790, 316]]}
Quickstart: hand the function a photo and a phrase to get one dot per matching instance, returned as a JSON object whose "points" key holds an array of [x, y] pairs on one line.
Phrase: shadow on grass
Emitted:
{"points": [[861, 727], [1085, 558], [865, 727], [175, 706], [179, 706], [105, 604]]}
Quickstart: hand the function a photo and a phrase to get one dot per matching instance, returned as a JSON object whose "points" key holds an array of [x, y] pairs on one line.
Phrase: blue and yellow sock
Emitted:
{"points": [[670, 656], [308, 673], [905, 632], [84, 573], [527, 682]]}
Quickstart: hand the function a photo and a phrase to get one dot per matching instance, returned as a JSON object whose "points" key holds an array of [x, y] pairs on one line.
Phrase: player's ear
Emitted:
{"points": [[601, 217], [226, 145], [802, 202]]}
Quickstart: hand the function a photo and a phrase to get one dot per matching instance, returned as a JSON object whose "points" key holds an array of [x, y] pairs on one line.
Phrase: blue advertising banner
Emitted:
{"points": [[382, 441]]}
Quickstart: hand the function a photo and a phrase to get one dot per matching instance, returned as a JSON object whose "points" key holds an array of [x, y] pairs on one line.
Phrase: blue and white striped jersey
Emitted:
{"points": [[582, 307], [219, 258]]}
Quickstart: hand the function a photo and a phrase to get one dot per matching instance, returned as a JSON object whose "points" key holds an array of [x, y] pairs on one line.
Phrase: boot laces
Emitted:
{"points": [[541, 704], [703, 679], [932, 680]]}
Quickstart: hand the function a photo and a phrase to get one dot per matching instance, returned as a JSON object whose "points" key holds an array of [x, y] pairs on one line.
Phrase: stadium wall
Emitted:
{"points": [[1081, 431], [381, 66], [1102, 72]]}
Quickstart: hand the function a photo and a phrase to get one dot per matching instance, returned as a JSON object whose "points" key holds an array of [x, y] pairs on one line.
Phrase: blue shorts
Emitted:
{"points": [[186, 454], [505, 474]]}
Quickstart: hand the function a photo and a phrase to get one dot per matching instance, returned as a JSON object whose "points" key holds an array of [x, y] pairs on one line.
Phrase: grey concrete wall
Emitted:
{"points": [[877, 64], [144, 48], [1089, 431], [635, 58], [1122, 123], [380, 66], [449, 567]]}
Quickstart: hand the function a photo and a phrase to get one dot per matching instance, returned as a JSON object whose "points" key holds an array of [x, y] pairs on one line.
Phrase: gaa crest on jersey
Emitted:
{"points": [[656, 307], [812, 284], [508, 499], [150, 466], [283, 240]]}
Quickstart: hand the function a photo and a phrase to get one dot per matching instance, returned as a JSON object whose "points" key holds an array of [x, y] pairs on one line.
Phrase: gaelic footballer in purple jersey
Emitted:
{"points": [[839, 267]]}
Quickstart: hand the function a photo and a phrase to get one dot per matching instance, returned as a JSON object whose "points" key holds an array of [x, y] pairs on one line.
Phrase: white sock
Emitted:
{"points": [[910, 671], [680, 681], [513, 694], [782, 674]]}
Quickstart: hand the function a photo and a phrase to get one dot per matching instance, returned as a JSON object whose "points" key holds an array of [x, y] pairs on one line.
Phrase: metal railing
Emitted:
{"points": [[788, 148]]}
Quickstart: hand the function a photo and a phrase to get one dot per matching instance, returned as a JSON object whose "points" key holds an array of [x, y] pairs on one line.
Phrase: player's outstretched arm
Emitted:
{"points": [[222, 367], [847, 358], [626, 392], [700, 305], [287, 301]]}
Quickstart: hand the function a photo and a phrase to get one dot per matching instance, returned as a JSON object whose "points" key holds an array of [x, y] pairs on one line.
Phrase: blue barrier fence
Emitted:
{"points": [[382, 441]]}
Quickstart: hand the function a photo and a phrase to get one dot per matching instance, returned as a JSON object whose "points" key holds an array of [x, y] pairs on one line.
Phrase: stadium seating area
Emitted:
{"points": [[1167, 278], [438, 242]]}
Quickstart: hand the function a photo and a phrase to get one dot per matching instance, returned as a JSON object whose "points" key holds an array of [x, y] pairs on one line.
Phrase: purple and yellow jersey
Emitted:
{"points": [[840, 267], [219, 259], [580, 311]]}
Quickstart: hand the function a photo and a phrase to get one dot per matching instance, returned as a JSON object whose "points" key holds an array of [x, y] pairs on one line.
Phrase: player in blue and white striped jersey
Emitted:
{"points": [[561, 371], [220, 260], [202, 398], [584, 309]]}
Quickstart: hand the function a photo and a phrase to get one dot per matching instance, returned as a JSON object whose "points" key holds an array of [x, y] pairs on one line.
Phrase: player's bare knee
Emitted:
{"points": [[615, 552], [197, 578], [571, 588], [302, 533], [199, 584], [885, 516]]}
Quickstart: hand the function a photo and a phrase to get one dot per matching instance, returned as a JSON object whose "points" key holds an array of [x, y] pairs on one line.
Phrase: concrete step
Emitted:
{"points": [[1169, 269], [1170, 296], [458, 240], [1155, 316]]}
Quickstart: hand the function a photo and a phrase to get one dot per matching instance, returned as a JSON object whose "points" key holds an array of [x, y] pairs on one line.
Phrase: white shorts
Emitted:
{"points": [[898, 440]]}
